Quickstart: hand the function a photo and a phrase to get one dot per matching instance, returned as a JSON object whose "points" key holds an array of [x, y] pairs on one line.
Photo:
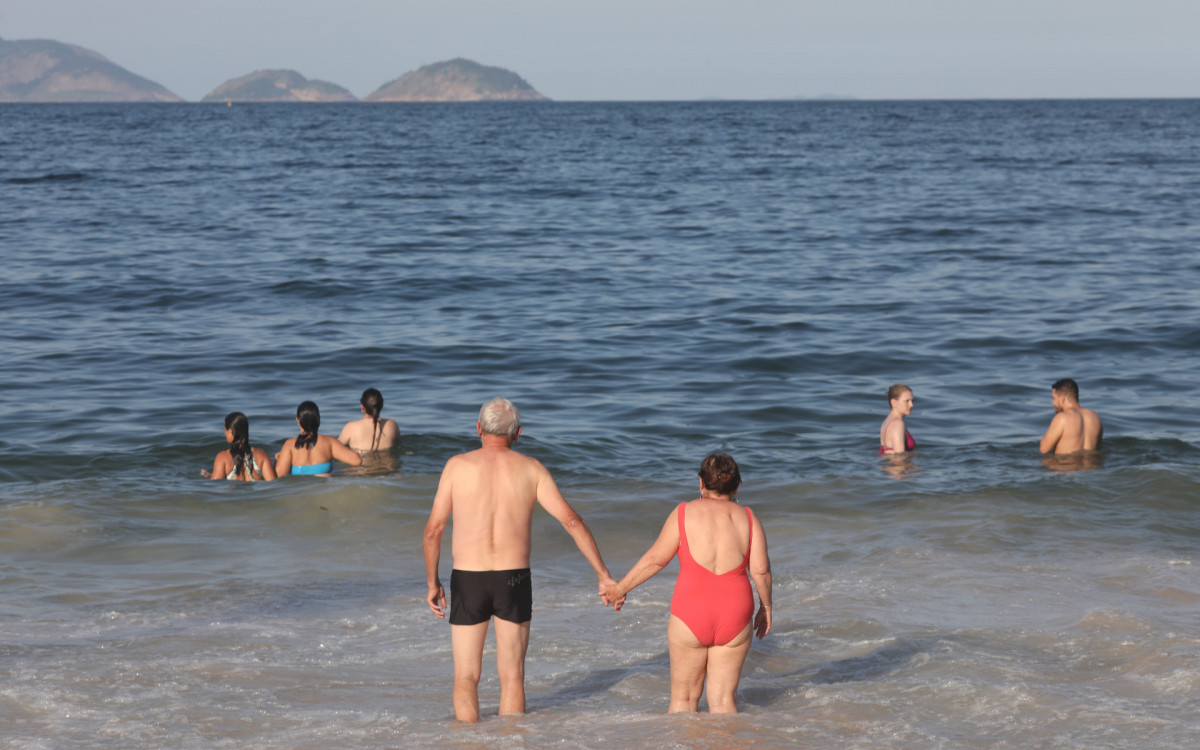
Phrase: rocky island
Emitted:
{"points": [[456, 80], [278, 86], [41, 70]]}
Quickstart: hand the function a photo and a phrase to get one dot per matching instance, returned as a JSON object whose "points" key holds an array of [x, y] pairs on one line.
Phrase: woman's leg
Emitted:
{"points": [[689, 659], [725, 671]]}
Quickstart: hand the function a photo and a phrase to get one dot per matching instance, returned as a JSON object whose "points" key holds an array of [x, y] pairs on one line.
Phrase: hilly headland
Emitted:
{"points": [[457, 80], [42, 70], [278, 86]]}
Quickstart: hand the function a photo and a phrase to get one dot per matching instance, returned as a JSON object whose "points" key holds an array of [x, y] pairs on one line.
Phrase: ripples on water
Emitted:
{"points": [[649, 282]]}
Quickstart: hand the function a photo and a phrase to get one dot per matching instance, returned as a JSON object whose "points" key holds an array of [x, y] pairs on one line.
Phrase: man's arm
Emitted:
{"points": [[556, 505], [435, 527], [1054, 433]]}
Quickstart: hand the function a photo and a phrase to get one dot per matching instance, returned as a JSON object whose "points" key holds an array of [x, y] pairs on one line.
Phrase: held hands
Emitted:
{"points": [[436, 598], [610, 594], [762, 621]]}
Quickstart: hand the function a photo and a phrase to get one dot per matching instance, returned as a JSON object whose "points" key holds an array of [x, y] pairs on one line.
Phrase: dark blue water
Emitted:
{"points": [[649, 282]]}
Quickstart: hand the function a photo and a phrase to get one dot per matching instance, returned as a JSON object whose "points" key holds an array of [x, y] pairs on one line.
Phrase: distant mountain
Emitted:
{"points": [[278, 86], [456, 80], [41, 70]]}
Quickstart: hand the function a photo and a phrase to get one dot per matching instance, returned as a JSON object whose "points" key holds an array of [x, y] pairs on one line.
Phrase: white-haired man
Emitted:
{"points": [[488, 495]]}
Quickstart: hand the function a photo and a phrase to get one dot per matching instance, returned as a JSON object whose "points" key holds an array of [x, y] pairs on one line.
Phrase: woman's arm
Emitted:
{"points": [[760, 571], [894, 436], [221, 466], [390, 432], [265, 465], [283, 459], [655, 559], [343, 453]]}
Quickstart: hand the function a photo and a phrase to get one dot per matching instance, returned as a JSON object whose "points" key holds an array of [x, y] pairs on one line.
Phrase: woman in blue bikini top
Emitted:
{"points": [[311, 452]]}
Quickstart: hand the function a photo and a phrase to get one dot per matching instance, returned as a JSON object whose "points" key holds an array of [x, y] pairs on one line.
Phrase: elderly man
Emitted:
{"points": [[1073, 428], [490, 493]]}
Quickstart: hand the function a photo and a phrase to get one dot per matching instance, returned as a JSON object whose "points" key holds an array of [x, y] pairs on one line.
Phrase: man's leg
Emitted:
{"points": [[467, 642], [512, 641]]}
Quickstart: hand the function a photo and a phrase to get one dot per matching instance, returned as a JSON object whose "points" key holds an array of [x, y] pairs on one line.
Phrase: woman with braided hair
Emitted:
{"points": [[372, 432], [241, 462], [312, 452]]}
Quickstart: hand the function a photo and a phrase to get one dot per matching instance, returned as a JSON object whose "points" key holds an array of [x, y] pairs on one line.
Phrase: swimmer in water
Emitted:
{"points": [[241, 462], [372, 432], [893, 436], [311, 452], [1073, 428]]}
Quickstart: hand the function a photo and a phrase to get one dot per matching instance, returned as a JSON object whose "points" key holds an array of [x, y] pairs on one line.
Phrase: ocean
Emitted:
{"points": [[649, 282]]}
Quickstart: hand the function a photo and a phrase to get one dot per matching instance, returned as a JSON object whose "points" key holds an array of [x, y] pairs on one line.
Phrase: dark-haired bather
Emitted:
{"points": [[372, 432], [241, 462], [311, 452]]}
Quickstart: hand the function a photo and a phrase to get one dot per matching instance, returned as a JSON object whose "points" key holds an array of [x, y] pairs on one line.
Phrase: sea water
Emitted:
{"points": [[649, 282]]}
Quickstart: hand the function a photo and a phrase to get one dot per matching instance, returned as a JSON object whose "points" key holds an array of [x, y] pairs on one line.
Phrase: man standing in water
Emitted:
{"points": [[490, 493], [1073, 428]]}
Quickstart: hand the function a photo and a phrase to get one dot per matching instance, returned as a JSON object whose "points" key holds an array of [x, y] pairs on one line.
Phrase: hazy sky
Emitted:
{"points": [[654, 49]]}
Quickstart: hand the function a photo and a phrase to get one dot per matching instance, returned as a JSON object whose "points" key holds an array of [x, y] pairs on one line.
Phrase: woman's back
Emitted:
{"points": [[718, 534], [366, 435], [321, 452]]}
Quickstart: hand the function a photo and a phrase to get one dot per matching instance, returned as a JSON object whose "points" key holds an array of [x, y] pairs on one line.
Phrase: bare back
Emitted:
{"points": [[1072, 430], [324, 449], [360, 434], [718, 534], [1093, 430], [492, 492]]}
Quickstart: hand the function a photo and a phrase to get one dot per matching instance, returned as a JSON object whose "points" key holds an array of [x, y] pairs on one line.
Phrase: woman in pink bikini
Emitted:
{"points": [[710, 629], [893, 437]]}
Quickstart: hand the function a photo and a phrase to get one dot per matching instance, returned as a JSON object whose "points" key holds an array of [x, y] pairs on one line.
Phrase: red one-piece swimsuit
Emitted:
{"points": [[714, 607]]}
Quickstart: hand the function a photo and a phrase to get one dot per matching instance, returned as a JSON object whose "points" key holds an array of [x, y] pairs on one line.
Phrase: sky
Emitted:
{"points": [[654, 49]]}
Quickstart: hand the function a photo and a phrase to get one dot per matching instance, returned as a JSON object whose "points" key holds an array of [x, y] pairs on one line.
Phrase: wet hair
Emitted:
{"points": [[1067, 387], [310, 419], [720, 473], [372, 401], [895, 391], [237, 423], [500, 417]]}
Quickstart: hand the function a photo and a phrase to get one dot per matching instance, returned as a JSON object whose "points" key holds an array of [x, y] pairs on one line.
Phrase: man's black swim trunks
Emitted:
{"points": [[477, 595]]}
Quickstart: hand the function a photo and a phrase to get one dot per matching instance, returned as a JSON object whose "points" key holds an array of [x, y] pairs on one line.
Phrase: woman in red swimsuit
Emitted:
{"points": [[710, 629], [893, 437]]}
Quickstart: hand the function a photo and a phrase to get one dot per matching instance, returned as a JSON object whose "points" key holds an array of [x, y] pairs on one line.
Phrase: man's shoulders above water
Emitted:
{"points": [[1073, 429]]}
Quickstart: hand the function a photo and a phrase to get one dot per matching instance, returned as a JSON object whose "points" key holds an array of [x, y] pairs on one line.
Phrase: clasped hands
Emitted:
{"points": [[610, 595]]}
